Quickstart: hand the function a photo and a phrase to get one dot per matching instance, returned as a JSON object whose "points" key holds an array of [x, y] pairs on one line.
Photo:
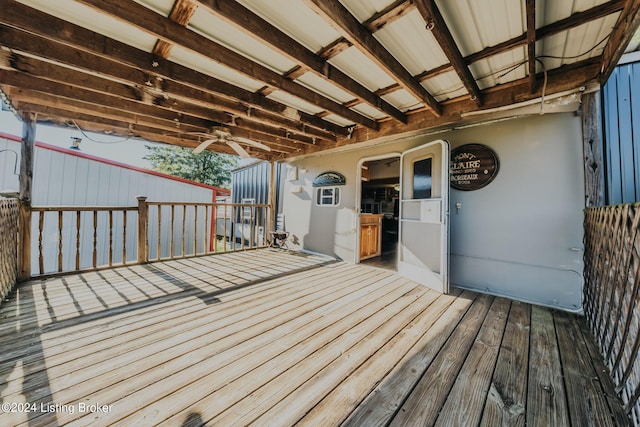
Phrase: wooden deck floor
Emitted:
{"points": [[272, 338]]}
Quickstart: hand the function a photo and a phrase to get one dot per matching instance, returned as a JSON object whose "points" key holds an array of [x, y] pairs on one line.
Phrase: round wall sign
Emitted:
{"points": [[473, 166]]}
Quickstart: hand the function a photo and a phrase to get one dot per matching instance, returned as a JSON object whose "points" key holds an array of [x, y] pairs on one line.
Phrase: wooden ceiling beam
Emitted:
{"points": [[435, 22], [625, 28], [74, 105], [564, 78], [530, 6], [138, 67], [578, 18], [26, 81], [336, 14], [50, 76], [181, 13], [145, 19], [334, 49], [108, 124], [116, 99], [394, 11], [389, 14], [261, 29]]}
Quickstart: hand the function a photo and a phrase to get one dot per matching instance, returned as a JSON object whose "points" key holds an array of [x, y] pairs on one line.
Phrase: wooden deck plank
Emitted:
{"points": [[131, 284], [546, 397], [326, 378], [227, 387], [315, 376], [586, 400], [465, 403], [65, 358], [380, 405], [27, 305], [507, 399], [602, 373], [358, 385], [130, 367], [424, 403], [280, 338]]}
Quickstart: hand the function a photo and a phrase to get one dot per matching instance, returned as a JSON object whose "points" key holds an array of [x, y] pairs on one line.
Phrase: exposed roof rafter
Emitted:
{"points": [[360, 36], [285, 45], [64, 65], [163, 28], [530, 6], [437, 25]]}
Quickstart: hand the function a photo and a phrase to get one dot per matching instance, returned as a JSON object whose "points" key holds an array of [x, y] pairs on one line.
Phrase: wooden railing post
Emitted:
{"points": [[24, 242], [26, 179], [142, 230]]}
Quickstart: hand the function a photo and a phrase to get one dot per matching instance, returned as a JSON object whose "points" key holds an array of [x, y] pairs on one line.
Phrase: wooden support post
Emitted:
{"points": [[593, 150], [272, 200], [26, 179], [142, 230]]}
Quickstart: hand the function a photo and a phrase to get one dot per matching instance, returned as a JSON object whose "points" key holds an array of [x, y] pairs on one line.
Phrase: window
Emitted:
{"points": [[422, 180], [328, 196]]}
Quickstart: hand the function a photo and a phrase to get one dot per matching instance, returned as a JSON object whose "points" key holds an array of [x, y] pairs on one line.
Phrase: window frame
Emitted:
{"points": [[334, 197]]}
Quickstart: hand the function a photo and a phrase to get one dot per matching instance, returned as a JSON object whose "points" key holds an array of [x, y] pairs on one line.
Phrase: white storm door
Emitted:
{"points": [[423, 245]]}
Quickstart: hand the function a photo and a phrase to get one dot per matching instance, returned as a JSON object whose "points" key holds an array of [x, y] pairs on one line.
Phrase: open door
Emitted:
{"points": [[423, 244]]}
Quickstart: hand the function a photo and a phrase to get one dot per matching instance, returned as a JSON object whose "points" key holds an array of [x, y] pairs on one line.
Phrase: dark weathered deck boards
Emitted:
{"points": [[272, 338], [546, 403], [507, 398], [467, 398]]}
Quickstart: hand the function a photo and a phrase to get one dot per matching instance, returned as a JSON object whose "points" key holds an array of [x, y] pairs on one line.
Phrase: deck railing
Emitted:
{"points": [[9, 213], [179, 230], [73, 238], [611, 294]]}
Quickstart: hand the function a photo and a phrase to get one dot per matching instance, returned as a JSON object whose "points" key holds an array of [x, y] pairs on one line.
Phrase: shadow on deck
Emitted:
{"points": [[275, 338]]}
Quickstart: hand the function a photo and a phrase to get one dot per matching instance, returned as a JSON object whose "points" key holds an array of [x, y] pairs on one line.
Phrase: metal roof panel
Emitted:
{"points": [[362, 69], [296, 20], [235, 39], [89, 18], [321, 85], [212, 68], [403, 100], [412, 44]]}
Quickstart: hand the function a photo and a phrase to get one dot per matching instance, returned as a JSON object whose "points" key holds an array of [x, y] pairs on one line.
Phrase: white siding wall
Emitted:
{"points": [[521, 236]]}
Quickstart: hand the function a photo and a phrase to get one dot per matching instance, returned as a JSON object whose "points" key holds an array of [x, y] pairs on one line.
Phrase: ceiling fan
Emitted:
{"points": [[223, 135]]}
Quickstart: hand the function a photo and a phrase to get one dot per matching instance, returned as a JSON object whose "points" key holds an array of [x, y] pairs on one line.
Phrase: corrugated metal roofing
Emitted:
{"points": [[475, 26]]}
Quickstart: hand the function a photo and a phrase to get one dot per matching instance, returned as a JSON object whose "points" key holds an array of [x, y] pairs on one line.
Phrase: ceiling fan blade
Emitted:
{"points": [[252, 142], [204, 144], [238, 149]]}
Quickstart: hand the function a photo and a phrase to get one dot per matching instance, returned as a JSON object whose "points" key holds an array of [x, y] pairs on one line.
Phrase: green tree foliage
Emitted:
{"points": [[207, 167]]}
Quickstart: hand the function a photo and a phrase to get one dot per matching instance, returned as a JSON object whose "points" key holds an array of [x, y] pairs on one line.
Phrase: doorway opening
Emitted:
{"points": [[379, 211]]}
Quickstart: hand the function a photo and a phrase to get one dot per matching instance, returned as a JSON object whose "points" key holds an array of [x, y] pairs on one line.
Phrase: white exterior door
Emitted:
{"points": [[423, 245]]}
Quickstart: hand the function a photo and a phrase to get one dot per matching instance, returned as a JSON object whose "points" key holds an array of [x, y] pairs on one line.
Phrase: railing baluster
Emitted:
{"points": [[206, 248], [40, 231], [240, 221], [77, 240], [95, 239], [184, 225], [171, 246], [195, 230], [60, 241], [224, 237], [159, 232], [110, 238], [250, 242], [124, 237]]}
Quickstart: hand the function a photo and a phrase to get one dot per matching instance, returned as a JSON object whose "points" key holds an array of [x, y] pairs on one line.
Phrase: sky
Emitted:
{"points": [[119, 149]]}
